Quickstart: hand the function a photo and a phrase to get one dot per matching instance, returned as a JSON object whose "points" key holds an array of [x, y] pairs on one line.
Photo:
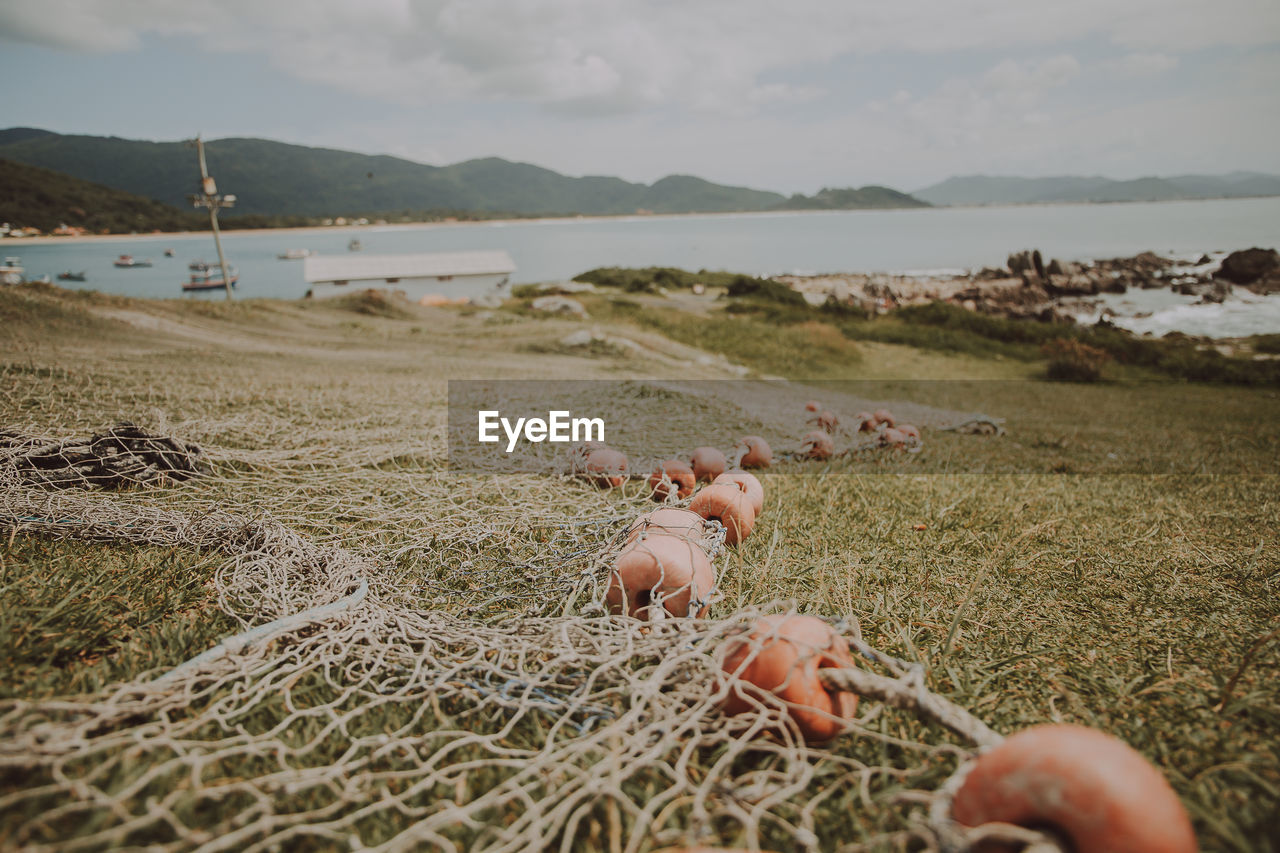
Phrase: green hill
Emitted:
{"points": [[852, 199], [985, 189], [274, 179], [31, 197]]}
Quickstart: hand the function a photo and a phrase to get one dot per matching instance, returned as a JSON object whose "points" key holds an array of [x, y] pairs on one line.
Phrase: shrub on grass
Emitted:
{"points": [[1072, 361]]}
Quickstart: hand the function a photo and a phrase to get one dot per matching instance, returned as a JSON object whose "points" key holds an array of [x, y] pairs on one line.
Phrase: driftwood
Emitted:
{"points": [[124, 455]]}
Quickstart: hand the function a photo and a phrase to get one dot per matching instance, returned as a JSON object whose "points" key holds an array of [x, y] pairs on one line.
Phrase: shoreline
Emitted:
{"points": [[44, 239]]}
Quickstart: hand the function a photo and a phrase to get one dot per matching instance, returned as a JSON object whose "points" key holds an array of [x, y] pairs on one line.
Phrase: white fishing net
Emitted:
{"points": [[427, 663]]}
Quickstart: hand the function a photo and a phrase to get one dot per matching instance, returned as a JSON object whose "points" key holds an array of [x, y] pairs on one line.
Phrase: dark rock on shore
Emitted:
{"points": [[1248, 265], [1257, 269]]}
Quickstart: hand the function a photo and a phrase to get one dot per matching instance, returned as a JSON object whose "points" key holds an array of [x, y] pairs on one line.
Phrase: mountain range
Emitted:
{"points": [[277, 179], [278, 183], [984, 189]]}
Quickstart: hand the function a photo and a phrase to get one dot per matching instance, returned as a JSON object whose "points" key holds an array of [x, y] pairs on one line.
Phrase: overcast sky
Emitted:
{"points": [[788, 96]]}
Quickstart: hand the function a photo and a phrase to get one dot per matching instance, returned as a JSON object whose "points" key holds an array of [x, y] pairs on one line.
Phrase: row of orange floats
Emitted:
{"points": [[876, 429], [1092, 789]]}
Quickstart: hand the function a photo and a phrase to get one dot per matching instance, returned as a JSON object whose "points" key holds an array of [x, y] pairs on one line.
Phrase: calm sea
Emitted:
{"points": [[844, 241]]}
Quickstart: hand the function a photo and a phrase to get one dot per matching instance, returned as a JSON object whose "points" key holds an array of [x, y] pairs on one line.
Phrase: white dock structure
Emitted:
{"points": [[438, 274]]}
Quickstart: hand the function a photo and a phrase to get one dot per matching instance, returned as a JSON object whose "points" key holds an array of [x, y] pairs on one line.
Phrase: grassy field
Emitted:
{"points": [[1109, 561]]}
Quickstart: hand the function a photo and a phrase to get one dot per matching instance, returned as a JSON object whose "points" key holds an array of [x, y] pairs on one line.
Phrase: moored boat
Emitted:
{"points": [[129, 261], [11, 272], [72, 276], [210, 279], [294, 254]]}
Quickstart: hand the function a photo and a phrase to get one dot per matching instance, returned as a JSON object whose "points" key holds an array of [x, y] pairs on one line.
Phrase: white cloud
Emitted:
{"points": [[1141, 65], [618, 55]]}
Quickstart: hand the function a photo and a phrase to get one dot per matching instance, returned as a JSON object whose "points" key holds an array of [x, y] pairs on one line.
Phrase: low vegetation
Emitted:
{"points": [[937, 326], [1056, 585]]}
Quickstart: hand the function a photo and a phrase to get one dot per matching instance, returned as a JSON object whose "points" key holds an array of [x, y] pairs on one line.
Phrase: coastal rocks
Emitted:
{"points": [[1259, 269], [559, 305], [1208, 291]]}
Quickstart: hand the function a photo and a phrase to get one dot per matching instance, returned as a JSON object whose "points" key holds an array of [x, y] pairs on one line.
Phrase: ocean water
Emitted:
{"points": [[758, 244]]}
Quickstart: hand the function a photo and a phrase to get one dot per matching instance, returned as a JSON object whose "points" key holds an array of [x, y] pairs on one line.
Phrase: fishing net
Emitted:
{"points": [[426, 662]]}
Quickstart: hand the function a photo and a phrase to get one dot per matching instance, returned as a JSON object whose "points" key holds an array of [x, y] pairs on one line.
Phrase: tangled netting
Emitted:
{"points": [[454, 685]]}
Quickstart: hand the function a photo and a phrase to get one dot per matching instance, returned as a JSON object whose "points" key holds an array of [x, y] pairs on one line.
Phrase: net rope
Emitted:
{"points": [[429, 665]]}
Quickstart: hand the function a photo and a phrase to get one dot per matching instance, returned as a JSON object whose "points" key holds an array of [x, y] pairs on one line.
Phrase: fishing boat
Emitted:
{"points": [[209, 279], [72, 276], [11, 272], [294, 254], [129, 261], [205, 276]]}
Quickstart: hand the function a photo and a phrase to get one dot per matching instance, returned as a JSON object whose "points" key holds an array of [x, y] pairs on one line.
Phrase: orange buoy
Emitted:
{"points": [[883, 416], [755, 452], [670, 521], [606, 467], [708, 463], [828, 422], [866, 421], [892, 437], [748, 484], [669, 569], [1091, 787], [782, 655], [729, 505], [672, 476], [812, 406], [910, 431], [817, 445]]}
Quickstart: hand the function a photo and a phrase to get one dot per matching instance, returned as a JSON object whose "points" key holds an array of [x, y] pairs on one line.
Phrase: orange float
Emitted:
{"points": [[892, 437], [755, 452], [866, 421], [708, 463], [1091, 787], [606, 467], [910, 431], [747, 483], [883, 416], [672, 476], [668, 569], [828, 422], [729, 505], [817, 445], [671, 521], [782, 655], [812, 406]]}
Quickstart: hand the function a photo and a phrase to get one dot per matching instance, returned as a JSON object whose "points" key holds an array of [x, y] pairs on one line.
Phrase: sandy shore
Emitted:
{"points": [[390, 226]]}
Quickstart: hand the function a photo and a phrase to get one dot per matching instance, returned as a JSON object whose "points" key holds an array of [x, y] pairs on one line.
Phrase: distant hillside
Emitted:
{"points": [[273, 179], [850, 199], [31, 197], [984, 189]]}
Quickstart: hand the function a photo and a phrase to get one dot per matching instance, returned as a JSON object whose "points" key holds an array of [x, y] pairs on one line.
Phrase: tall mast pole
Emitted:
{"points": [[208, 197]]}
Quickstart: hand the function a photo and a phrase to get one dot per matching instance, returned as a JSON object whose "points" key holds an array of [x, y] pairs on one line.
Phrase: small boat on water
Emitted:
{"points": [[209, 279], [72, 276], [168, 253], [294, 254], [354, 245], [11, 272], [128, 261]]}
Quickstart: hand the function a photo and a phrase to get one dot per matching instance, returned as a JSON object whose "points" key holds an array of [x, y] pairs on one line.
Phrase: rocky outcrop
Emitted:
{"points": [[1258, 269], [558, 305]]}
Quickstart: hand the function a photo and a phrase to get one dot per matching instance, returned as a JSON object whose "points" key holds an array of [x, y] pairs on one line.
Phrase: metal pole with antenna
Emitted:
{"points": [[208, 197]]}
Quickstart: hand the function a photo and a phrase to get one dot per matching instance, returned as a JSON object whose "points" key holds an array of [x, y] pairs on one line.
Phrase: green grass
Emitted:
{"points": [[1057, 586], [76, 617]]}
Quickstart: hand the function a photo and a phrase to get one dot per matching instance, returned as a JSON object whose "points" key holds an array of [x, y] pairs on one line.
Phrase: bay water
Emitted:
{"points": [[931, 239]]}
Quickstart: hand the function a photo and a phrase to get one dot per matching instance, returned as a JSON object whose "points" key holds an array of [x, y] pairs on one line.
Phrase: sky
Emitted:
{"points": [[785, 96]]}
